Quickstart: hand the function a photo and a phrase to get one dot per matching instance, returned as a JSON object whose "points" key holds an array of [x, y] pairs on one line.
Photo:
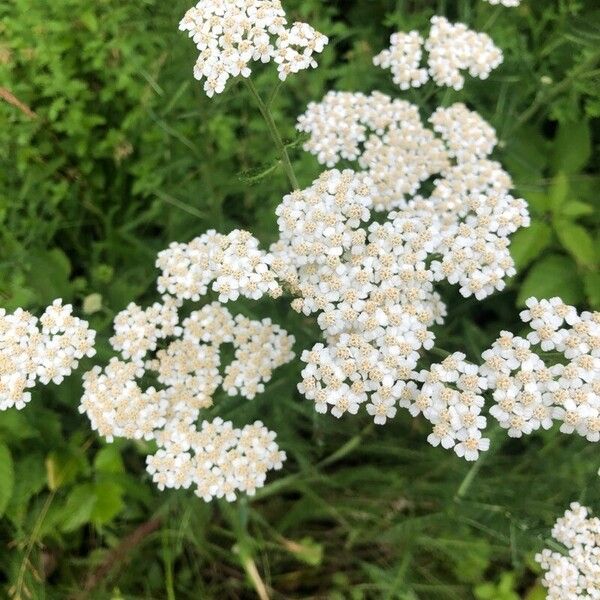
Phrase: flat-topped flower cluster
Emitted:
{"points": [[574, 575], [231, 34], [372, 285], [220, 460], [377, 367], [469, 214], [40, 350], [528, 394], [178, 360], [451, 49], [388, 140], [233, 264]]}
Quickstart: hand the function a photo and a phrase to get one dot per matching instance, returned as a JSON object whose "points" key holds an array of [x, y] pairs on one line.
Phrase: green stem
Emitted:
{"points": [[474, 470], [244, 547], [275, 136], [542, 99], [347, 448], [19, 591], [341, 452]]}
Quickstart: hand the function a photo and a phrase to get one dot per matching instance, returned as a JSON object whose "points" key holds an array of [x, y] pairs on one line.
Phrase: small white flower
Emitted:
{"points": [[576, 574], [230, 35], [470, 444], [41, 350]]}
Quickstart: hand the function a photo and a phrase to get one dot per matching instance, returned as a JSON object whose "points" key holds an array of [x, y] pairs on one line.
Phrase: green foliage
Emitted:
{"points": [[115, 152], [504, 590], [7, 477]]}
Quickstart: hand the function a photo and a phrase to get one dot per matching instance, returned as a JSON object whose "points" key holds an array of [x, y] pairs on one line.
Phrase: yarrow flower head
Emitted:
{"points": [[231, 34], [373, 290], [179, 360], [372, 281], [40, 350], [403, 58], [451, 49], [530, 395], [231, 265], [574, 575], [469, 213]]}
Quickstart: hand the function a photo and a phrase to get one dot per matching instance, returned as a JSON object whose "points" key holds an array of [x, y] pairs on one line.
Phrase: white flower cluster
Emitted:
{"points": [[218, 459], [467, 136], [507, 3], [576, 575], [403, 58], [388, 140], [530, 395], [186, 373], [450, 399], [451, 48], [230, 34], [454, 48], [39, 350], [469, 214], [185, 369], [179, 361], [372, 286], [232, 263]]}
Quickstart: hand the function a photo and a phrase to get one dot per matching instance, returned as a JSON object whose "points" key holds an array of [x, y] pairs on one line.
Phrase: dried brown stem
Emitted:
{"points": [[117, 556], [9, 97]]}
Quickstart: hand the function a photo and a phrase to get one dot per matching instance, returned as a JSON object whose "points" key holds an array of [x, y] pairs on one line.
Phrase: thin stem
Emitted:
{"points": [[274, 93], [337, 455], [541, 99], [251, 570], [17, 592], [475, 468], [347, 448], [470, 476], [275, 135], [117, 555], [245, 547]]}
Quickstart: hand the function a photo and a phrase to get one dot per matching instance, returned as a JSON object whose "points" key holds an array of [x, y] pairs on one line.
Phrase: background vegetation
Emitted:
{"points": [[109, 150]]}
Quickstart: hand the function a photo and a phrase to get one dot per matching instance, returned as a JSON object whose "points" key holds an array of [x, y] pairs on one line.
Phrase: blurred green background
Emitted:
{"points": [[109, 150]]}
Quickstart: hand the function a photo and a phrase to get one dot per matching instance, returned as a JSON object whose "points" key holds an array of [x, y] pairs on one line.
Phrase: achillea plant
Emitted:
{"points": [[40, 350], [574, 574], [365, 250]]}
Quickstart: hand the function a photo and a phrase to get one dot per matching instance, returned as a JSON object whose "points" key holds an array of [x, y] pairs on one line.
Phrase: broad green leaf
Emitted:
{"points": [[504, 590], [537, 592], [539, 202], [49, 275], [14, 425], [554, 275], [529, 242], [576, 209], [559, 189], [109, 502], [108, 460], [30, 481], [577, 241], [526, 154], [78, 507], [89, 20], [591, 282], [7, 477], [61, 468], [572, 147]]}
